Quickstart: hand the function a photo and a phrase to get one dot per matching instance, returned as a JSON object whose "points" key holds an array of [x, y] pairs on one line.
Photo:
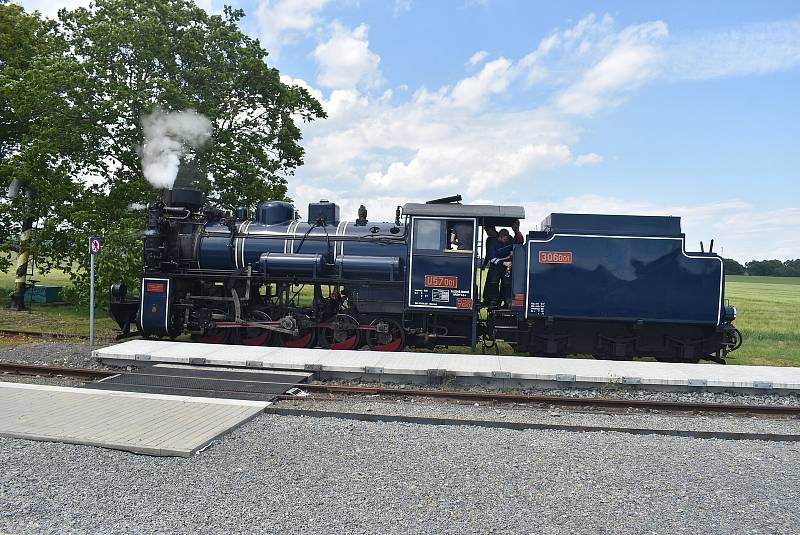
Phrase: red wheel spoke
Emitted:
{"points": [[349, 343], [397, 337], [305, 339]]}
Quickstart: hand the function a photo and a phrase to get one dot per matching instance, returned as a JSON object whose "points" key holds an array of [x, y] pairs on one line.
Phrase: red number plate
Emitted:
{"points": [[441, 281], [154, 287], [464, 302], [555, 257]]}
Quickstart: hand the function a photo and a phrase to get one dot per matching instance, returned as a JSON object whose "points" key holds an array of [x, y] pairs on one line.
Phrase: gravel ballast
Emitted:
{"points": [[281, 474], [75, 355], [521, 413]]}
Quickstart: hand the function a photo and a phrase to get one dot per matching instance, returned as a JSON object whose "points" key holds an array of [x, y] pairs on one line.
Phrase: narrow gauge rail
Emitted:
{"points": [[37, 334], [564, 401], [17, 368]]}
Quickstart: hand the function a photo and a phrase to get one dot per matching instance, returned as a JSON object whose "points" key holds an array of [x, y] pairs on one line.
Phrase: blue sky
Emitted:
{"points": [[673, 108]]}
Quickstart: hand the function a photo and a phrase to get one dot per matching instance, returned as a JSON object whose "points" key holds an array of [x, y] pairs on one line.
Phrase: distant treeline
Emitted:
{"points": [[769, 268]]}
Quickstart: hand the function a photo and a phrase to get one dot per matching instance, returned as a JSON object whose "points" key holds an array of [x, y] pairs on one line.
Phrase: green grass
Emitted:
{"points": [[768, 316], [57, 318], [768, 310], [53, 278], [765, 280]]}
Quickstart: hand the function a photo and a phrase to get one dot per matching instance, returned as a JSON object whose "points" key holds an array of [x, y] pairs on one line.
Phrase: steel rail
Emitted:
{"points": [[680, 406], [19, 368], [605, 403], [38, 334]]}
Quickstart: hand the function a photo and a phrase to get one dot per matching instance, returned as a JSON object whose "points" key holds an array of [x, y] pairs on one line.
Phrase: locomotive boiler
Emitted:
{"points": [[610, 286]]}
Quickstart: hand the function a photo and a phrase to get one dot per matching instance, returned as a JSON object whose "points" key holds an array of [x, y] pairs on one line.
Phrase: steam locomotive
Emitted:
{"points": [[610, 286]]}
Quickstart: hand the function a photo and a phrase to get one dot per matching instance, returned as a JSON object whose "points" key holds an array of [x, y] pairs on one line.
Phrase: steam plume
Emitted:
{"points": [[167, 135]]}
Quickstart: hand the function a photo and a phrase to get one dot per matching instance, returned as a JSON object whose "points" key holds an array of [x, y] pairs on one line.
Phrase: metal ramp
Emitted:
{"points": [[204, 381]]}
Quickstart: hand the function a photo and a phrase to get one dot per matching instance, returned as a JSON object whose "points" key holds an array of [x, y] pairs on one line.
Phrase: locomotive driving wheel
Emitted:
{"points": [[212, 336], [343, 335], [389, 335], [255, 336], [304, 338]]}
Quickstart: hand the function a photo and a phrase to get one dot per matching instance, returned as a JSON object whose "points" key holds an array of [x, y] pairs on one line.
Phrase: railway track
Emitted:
{"points": [[562, 401], [37, 334], [45, 370], [487, 397]]}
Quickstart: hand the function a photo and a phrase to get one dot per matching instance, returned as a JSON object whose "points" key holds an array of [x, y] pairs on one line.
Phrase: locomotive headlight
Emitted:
{"points": [[119, 291]]}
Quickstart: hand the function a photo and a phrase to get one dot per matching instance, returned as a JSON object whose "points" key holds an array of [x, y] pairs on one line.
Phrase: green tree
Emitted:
{"points": [[732, 267], [792, 268], [133, 58], [773, 268], [37, 100]]}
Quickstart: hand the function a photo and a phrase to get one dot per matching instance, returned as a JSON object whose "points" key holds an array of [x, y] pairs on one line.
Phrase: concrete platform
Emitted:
{"points": [[151, 424], [459, 368]]}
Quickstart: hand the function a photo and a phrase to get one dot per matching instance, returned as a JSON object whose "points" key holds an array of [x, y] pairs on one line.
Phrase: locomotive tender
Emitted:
{"points": [[604, 285]]}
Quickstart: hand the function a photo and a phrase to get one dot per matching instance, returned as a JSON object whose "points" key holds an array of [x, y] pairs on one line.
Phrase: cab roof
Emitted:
{"points": [[490, 213]]}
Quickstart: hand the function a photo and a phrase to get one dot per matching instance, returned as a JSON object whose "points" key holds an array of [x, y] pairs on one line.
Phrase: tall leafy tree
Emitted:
{"points": [[774, 268], [37, 141], [732, 267], [132, 58]]}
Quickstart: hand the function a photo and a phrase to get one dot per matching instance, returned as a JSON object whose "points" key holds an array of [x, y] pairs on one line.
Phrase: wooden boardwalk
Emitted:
{"points": [[152, 424]]}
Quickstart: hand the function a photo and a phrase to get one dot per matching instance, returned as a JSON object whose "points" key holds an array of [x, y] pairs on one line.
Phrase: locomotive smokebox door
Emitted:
{"points": [[154, 310], [442, 263]]}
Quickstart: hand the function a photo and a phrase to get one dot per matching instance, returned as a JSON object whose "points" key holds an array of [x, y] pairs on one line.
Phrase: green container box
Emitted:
{"points": [[43, 294]]}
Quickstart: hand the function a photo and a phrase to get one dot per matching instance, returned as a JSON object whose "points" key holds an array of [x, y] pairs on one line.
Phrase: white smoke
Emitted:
{"points": [[167, 135]]}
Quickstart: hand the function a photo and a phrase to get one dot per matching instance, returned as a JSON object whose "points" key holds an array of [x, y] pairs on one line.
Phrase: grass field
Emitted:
{"points": [[60, 318], [768, 310], [768, 316]]}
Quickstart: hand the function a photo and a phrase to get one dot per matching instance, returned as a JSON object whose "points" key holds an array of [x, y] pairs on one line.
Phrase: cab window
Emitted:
{"points": [[428, 234], [460, 236]]}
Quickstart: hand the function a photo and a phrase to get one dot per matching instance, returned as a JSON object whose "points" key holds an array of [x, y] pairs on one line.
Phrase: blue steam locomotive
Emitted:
{"points": [[611, 286]]}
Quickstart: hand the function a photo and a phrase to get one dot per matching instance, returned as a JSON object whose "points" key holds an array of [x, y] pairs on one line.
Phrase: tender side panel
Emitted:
{"points": [[622, 278]]}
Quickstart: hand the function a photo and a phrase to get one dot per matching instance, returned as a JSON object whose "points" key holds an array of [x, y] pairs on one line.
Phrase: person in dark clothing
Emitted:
{"points": [[499, 248]]}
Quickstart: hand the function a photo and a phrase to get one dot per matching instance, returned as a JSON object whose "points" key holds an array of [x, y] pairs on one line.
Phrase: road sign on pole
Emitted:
{"points": [[94, 249]]}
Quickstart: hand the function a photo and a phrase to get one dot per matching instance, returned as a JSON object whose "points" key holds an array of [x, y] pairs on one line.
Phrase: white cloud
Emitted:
{"points": [[281, 21], [494, 78], [345, 60], [631, 62], [402, 6], [747, 50], [588, 159], [477, 57]]}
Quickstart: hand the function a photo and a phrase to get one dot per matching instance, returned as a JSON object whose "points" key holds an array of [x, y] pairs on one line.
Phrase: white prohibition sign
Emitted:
{"points": [[94, 245]]}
